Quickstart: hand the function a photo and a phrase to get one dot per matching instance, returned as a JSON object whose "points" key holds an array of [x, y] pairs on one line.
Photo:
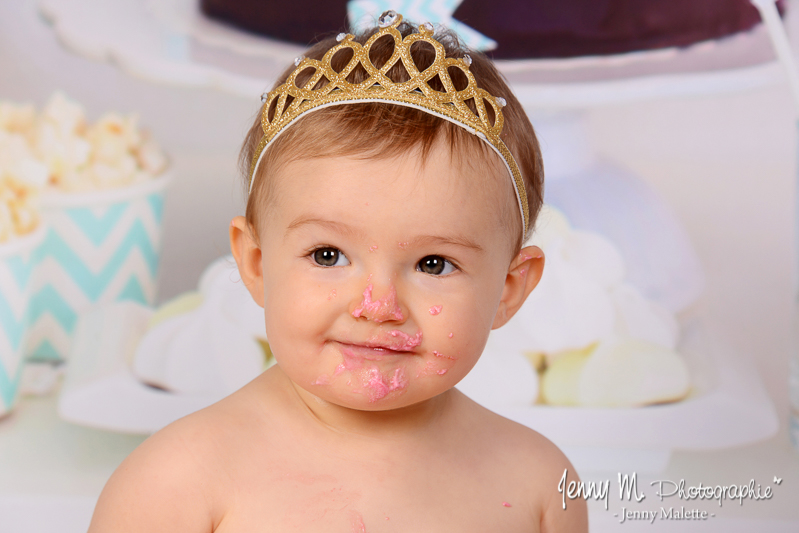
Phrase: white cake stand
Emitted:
{"points": [[169, 41]]}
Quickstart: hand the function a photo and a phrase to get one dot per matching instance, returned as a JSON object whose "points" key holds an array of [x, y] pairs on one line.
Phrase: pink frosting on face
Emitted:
{"points": [[405, 342], [378, 387], [332, 294], [398, 380], [427, 370], [436, 309], [373, 248], [450, 335], [432, 368], [324, 379], [402, 244], [525, 257], [439, 354], [382, 310], [506, 504], [522, 272]]}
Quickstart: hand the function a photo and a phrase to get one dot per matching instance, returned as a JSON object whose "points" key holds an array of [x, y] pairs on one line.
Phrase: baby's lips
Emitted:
{"points": [[394, 340]]}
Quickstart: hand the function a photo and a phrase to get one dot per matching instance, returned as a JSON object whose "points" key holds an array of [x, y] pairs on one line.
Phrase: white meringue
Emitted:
{"points": [[503, 377], [642, 319], [210, 349], [631, 372], [617, 372], [595, 256], [567, 310], [550, 224]]}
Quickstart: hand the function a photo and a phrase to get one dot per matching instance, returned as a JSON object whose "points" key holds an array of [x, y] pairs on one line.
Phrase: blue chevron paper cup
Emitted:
{"points": [[16, 269], [101, 247]]}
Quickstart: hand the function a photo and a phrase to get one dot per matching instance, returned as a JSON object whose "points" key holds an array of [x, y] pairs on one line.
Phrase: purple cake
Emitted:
{"points": [[523, 29]]}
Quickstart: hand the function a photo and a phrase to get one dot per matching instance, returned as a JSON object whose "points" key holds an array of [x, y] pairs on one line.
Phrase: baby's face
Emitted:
{"points": [[381, 279]]}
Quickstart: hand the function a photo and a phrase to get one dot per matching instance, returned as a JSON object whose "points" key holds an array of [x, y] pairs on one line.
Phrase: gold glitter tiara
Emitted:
{"points": [[449, 104]]}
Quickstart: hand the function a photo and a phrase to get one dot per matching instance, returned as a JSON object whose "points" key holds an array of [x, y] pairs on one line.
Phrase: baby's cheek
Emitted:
{"points": [[438, 365]]}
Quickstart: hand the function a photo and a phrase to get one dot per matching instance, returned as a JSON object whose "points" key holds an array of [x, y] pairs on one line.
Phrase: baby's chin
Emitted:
{"points": [[373, 390]]}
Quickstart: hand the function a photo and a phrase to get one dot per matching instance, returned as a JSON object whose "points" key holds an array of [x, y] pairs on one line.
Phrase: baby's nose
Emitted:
{"points": [[381, 310]]}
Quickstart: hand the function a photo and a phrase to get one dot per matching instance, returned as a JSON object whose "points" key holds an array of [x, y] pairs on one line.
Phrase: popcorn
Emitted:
{"points": [[17, 118], [113, 137], [60, 150], [150, 156], [77, 156], [19, 214], [63, 155], [21, 176], [66, 115]]}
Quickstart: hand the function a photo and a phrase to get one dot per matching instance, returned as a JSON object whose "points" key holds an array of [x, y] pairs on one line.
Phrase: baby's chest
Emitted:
{"points": [[406, 501]]}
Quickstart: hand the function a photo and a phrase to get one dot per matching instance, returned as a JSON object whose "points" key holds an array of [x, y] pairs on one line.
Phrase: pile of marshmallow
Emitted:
{"points": [[587, 337], [59, 149]]}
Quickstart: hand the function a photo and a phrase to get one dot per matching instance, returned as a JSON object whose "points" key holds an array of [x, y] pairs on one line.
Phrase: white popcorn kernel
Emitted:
{"points": [[67, 115], [17, 118], [151, 158]]}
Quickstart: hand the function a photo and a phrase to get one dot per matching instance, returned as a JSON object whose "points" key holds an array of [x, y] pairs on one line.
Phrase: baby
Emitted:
{"points": [[392, 181]]}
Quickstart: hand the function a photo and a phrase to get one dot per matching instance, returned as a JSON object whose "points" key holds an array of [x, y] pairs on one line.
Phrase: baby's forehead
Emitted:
{"points": [[468, 190], [473, 167]]}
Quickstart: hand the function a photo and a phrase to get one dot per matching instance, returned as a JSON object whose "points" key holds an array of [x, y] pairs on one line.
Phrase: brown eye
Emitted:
{"points": [[435, 265], [329, 257]]}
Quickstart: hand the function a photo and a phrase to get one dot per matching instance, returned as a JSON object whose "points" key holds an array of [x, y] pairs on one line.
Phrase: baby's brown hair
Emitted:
{"points": [[384, 130]]}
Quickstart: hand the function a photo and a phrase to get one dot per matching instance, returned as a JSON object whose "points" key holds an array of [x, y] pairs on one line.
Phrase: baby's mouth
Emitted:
{"points": [[391, 343], [369, 353]]}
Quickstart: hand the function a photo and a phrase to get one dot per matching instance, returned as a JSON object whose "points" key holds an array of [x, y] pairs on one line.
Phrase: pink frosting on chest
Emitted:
{"points": [[356, 522]]}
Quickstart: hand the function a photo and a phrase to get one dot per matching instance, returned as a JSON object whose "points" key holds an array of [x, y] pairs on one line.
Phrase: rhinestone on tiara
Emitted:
{"points": [[329, 87], [387, 19]]}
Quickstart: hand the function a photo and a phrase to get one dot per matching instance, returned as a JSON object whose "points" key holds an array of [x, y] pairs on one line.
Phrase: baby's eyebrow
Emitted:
{"points": [[421, 240], [339, 227], [456, 240]]}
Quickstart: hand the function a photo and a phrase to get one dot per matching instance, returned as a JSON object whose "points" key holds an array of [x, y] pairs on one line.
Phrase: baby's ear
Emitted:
{"points": [[524, 273], [246, 250]]}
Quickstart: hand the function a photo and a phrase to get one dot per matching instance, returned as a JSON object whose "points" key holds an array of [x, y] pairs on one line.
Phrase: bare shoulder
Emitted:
{"points": [[540, 466], [171, 482]]}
